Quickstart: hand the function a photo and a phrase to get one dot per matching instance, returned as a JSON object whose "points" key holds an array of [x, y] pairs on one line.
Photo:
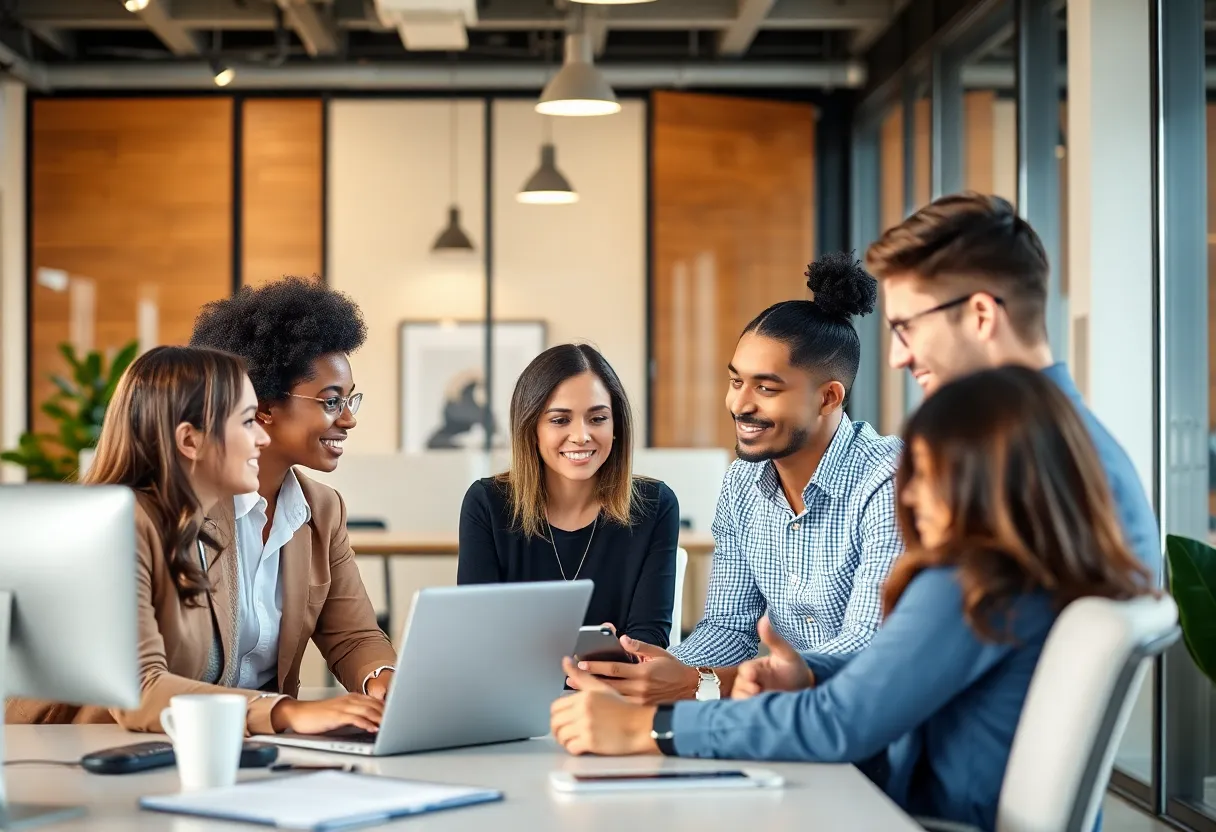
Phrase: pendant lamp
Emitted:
{"points": [[578, 88], [453, 238], [547, 186]]}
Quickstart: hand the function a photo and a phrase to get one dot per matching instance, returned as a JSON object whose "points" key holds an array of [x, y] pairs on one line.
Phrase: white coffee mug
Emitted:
{"points": [[207, 731]]}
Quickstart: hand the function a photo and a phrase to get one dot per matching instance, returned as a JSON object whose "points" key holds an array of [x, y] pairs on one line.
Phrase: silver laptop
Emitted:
{"points": [[477, 664]]}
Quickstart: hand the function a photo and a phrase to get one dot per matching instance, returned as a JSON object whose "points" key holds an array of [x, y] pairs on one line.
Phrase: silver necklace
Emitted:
{"points": [[553, 543]]}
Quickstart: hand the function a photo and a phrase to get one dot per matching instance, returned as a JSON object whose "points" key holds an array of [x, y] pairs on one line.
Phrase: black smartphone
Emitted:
{"points": [[600, 644], [147, 756]]}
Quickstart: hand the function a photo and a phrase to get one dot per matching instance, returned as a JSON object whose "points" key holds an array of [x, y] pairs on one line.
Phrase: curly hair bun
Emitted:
{"points": [[842, 286]]}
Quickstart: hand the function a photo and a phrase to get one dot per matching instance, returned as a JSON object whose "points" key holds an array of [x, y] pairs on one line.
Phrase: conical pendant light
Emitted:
{"points": [[578, 89], [453, 238], [547, 186]]}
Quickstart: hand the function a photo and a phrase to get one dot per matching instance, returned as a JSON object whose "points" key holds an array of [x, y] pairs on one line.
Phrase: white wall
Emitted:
{"points": [[1111, 220], [581, 268], [1005, 149], [12, 271], [388, 200]]}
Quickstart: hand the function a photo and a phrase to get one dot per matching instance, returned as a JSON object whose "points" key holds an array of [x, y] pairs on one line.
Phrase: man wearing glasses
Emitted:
{"points": [[964, 281], [296, 573]]}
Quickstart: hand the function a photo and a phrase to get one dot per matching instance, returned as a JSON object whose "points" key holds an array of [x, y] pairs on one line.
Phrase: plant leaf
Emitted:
{"points": [[69, 354], [66, 387], [117, 367], [1193, 585], [90, 370], [122, 360], [55, 410]]}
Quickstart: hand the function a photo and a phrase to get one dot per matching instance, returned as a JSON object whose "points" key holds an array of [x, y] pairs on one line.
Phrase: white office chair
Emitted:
{"points": [[677, 602], [1076, 710]]}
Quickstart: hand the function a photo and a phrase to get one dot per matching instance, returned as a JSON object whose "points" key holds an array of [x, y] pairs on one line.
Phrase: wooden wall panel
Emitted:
{"points": [[135, 195], [891, 168], [733, 221], [979, 159], [281, 189], [891, 212], [922, 153]]}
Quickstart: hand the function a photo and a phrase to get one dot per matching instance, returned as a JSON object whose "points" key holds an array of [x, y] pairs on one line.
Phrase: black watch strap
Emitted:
{"points": [[660, 730]]}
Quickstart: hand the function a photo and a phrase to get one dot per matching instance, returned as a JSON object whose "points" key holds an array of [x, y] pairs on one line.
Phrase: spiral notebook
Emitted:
{"points": [[321, 801]]}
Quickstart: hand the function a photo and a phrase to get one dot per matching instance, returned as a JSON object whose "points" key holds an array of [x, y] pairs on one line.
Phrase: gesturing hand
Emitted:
{"points": [[781, 669]]}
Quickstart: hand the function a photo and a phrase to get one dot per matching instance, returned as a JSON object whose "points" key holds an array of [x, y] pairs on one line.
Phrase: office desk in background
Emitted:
{"points": [[822, 797], [389, 545], [393, 544]]}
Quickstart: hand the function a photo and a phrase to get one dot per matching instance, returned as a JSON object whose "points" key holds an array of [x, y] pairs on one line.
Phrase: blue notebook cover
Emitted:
{"points": [[321, 801]]}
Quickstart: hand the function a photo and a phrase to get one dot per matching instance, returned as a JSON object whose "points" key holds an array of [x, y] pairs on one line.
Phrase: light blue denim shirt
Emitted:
{"points": [[928, 705], [1135, 511]]}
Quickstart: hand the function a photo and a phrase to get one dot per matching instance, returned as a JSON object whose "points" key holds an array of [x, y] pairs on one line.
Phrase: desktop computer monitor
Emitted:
{"points": [[68, 609]]}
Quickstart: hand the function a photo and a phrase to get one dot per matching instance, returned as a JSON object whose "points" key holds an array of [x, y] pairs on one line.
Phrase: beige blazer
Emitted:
{"points": [[323, 599]]}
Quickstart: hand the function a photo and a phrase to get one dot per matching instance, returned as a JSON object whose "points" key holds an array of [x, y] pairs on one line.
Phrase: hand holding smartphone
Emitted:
{"points": [[600, 644]]}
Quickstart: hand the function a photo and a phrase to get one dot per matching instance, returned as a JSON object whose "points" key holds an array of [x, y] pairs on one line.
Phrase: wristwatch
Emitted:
{"points": [[660, 730], [709, 686]]}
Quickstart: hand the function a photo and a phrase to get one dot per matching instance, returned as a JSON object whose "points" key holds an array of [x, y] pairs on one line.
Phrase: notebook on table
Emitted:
{"points": [[321, 801]]}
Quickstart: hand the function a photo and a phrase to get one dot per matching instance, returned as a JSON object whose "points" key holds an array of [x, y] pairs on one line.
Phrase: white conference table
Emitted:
{"points": [[820, 797]]}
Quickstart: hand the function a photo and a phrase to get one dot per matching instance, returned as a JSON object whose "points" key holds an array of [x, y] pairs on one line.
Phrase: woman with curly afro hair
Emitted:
{"points": [[296, 570]]}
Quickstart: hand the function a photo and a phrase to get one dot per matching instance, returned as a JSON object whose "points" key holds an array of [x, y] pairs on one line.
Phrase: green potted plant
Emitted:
{"points": [[1192, 576], [77, 408]]}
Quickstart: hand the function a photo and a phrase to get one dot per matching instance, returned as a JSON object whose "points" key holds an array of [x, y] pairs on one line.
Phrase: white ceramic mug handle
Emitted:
{"points": [[166, 721]]}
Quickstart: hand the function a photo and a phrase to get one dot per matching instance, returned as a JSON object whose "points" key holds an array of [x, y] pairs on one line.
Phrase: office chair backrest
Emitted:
{"points": [[677, 607], [1078, 705]]}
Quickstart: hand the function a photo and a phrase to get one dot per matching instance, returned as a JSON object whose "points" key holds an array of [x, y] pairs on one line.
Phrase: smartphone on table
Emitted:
{"points": [[738, 778]]}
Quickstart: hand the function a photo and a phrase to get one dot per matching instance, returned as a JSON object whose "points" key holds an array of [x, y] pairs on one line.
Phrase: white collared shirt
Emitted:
{"points": [[260, 592]]}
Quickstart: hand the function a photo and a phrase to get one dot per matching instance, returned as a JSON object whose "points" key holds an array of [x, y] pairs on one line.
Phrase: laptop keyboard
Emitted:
{"points": [[347, 733]]}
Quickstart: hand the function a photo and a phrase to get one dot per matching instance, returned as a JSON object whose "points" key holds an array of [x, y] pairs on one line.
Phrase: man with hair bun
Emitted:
{"points": [[805, 528]]}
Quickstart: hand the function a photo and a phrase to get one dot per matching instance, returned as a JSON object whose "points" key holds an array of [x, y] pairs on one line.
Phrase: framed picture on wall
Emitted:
{"points": [[443, 392]]}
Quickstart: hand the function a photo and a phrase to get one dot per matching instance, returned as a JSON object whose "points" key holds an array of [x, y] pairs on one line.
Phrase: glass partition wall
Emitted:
{"points": [[985, 108]]}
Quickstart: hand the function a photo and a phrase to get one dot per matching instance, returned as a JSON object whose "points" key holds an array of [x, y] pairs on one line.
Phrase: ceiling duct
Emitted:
{"points": [[429, 25]]}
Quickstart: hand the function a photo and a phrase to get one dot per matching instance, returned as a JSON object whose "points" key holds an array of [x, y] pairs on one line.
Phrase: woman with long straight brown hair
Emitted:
{"points": [[570, 507], [181, 433], [1007, 517]]}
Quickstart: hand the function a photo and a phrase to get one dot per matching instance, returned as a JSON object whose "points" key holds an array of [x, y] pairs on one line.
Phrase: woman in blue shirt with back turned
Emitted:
{"points": [[1008, 518]]}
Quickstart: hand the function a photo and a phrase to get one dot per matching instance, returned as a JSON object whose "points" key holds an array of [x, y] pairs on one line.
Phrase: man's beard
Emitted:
{"points": [[798, 441]]}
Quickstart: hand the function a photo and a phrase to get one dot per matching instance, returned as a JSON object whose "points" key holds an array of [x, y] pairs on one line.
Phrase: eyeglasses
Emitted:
{"points": [[899, 326], [334, 405]]}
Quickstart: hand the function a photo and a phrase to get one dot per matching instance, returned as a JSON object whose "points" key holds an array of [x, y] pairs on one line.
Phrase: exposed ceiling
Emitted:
{"points": [[58, 43]]}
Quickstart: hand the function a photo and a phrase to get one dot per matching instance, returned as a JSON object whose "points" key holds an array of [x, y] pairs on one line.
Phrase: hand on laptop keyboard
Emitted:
{"points": [[352, 710]]}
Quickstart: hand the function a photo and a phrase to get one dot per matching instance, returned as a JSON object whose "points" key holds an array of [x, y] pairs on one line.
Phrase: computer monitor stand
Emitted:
{"points": [[21, 815]]}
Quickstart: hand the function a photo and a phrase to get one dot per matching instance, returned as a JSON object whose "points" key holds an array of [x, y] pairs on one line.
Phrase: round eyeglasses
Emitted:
{"points": [[334, 405]]}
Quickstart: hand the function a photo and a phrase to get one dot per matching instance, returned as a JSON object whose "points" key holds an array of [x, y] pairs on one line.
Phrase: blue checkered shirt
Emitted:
{"points": [[819, 574]]}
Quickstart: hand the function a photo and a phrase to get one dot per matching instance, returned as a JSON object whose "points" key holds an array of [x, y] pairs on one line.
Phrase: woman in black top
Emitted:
{"points": [[570, 506]]}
